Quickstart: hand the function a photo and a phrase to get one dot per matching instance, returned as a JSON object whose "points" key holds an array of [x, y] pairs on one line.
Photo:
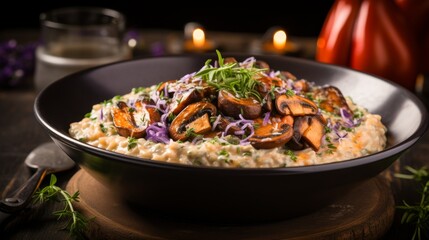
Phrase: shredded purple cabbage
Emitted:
{"points": [[216, 122], [243, 124], [248, 62], [157, 132], [347, 117], [266, 118], [166, 90], [340, 137], [101, 114], [273, 74], [187, 77]]}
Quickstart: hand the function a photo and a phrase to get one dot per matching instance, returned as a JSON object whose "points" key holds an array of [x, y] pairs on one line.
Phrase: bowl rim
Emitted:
{"points": [[323, 167]]}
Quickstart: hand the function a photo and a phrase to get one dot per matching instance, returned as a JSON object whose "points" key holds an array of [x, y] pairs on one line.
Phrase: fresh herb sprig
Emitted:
{"points": [[417, 215], [77, 223], [237, 80]]}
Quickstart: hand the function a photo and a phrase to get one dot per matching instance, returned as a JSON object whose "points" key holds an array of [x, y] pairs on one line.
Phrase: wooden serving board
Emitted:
{"points": [[366, 212]]}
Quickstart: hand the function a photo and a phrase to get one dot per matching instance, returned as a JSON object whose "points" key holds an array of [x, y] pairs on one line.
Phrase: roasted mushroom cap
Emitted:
{"points": [[266, 86], [229, 60], [276, 133], [295, 105], [194, 119], [301, 85], [332, 100], [164, 87], [299, 126], [132, 122], [182, 99], [314, 133], [262, 65], [308, 130], [232, 106], [287, 75]]}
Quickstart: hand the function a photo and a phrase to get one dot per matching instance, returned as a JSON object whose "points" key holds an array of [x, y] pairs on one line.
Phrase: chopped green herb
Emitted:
{"points": [[328, 129], [291, 154], [357, 114], [309, 96], [213, 119], [88, 115], [117, 98], [290, 92], [247, 154], [138, 89], [332, 146], [190, 133], [106, 102], [329, 151], [103, 129], [346, 129], [171, 117], [223, 152], [231, 139], [273, 88], [132, 143]]}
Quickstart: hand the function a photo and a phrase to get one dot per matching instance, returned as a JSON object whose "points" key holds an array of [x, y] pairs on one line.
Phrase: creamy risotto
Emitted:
{"points": [[234, 114]]}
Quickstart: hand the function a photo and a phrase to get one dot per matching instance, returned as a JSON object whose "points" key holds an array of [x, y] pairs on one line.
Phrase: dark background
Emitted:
{"points": [[299, 17]]}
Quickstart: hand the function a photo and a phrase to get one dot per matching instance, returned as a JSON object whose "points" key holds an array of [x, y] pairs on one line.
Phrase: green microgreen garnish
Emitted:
{"points": [[77, 224], [232, 78]]}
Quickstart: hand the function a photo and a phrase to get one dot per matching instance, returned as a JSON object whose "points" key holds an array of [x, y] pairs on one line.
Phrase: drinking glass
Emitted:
{"points": [[77, 38]]}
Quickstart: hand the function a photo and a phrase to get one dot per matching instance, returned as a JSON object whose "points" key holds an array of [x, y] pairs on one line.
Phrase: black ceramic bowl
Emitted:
{"points": [[219, 193]]}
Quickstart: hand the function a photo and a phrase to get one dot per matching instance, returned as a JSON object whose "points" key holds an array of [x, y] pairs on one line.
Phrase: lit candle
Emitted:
{"points": [[198, 38], [195, 39], [275, 41], [279, 40]]}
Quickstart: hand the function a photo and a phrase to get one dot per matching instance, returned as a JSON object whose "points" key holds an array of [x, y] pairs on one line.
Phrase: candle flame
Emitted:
{"points": [[279, 40], [198, 38]]}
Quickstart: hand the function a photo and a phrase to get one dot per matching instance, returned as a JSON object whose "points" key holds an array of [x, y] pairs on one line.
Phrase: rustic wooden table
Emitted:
{"points": [[20, 133]]}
